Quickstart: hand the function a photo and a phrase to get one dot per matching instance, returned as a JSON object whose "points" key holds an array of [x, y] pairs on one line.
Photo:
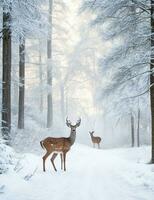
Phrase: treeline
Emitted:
{"points": [[128, 26], [36, 66], [24, 21]]}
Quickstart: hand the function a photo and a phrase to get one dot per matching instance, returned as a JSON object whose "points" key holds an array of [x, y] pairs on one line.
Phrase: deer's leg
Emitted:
{"points": [[99, 145], [52, 160], [64, 155], [94, 145], [61, 157], [44, 159]]}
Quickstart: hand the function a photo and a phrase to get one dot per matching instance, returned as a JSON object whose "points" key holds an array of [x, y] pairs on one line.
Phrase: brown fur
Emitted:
{"points": [[59, 145], [95, 139]]}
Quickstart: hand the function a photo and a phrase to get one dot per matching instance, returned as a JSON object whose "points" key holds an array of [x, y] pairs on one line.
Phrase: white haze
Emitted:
{"points": [[80, 64]]}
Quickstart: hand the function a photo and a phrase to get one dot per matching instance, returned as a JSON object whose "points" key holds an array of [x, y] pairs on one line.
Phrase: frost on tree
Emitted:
{"points": [[6, 85]]}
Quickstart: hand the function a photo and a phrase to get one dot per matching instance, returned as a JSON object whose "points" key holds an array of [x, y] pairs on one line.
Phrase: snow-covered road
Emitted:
{"points": [[119, 174]]}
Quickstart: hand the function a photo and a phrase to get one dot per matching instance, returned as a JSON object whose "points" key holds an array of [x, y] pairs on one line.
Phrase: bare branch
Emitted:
{"points": [[138, 95]]}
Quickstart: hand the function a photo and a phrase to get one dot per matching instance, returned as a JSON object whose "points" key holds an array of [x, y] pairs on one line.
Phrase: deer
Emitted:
{"points": [[95, 139], [59, 145]]}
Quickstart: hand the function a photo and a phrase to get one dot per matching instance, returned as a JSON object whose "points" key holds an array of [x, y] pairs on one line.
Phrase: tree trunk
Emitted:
{"points": [[132, 131], [6, 85], [49, 70], [62, 102], [21, 84], [14, 93], [132, 34], [66, 103], [40, 77], [138, 128], [152, 79]]}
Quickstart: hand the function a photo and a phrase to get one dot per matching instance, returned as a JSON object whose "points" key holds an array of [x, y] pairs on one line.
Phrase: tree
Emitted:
{"points": [[152, 78], [40, 76], [125, 24], [21, 83], [61, 42], [138, 126], [29, 14], [132, 131], [6, 85], [49, 69]]}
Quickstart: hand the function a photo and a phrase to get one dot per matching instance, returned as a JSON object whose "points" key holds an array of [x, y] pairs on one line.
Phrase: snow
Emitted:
{"points": [[7, 157], [92, 174]]}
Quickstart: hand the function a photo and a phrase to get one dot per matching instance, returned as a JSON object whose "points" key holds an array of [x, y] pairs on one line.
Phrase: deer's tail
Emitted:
{"points": [[41, 143]]}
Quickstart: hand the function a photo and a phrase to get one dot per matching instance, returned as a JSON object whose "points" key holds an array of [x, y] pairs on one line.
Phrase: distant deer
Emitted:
{"points": [[95, 139], [59, 145]]}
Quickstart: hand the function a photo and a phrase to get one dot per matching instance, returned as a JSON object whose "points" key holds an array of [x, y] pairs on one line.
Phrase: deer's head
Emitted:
{"points": [[91, 132], [73, 127]]}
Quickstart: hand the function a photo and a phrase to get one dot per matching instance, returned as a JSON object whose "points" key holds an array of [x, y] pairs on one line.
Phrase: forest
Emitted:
{"points": [[77, 99]]}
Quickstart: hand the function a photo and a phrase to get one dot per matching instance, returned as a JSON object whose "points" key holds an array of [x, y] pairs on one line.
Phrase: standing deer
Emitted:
{"points": [[95, 139], [59, 145]]}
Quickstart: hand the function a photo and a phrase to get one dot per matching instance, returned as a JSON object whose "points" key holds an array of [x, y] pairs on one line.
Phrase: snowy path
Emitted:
{"points": [[91, 175]]}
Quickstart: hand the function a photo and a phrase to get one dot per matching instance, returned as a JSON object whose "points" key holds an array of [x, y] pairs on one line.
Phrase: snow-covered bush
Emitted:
{"points": [[6, 157]]}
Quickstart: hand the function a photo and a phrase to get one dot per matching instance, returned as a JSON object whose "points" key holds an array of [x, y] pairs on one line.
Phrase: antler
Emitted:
{"points": [[68, 123], [78, 122]]}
